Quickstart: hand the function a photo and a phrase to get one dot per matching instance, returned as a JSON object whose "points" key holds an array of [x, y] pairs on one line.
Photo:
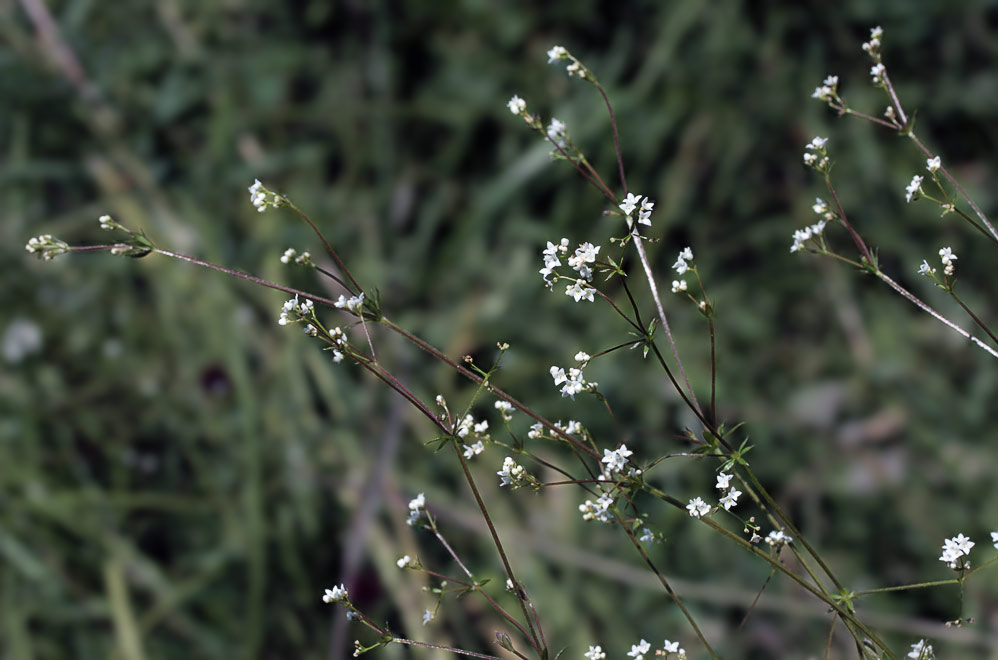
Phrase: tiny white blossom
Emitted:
{"points": [[473, 450], [914, 187], [630, 203], [353, 303], [511, 473], [582, 356], [921, 651], [731, 499], [678, 286], [427, 616], [933, 164], [994, 539], [647, 536], [777, 537], [820, 206], [505, 409], [616, 460], [697, 507], [877, 72], [638, 650], [404, 562], [516, 105], [336, 594], [416, 507], [579, 290], [723, 479], [925, 268], [106, 222], [955, 548], [595, 653], [556, 53], [288, 255], [817, 143]]}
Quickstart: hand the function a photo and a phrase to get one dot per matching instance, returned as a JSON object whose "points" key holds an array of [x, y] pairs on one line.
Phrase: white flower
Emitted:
{"points": [[722, 481], [678, 286], [955, 548], [914, 187], [473, 450], [46, 247], [595, 653], [644, 215], [573, 427], [730, 499], [556, 131], [511, 473], [579, 290], [516, 105], [536, 431], [672, 647], [820, 206], [404, 562], [288, 256], [582, 356], [697, 507], [817, 144], [638, 650], [336, 594], [416, 506], [106, 222], [681, 266], [926, 269], [427, 616], [505, 409], [933, 164], [994, 539], [556, 53], [921, 651], [810, 159], [946, 255], [630, 203], [647, 536], [353, 303], [777, 537], [616, 460], [877, 73]]}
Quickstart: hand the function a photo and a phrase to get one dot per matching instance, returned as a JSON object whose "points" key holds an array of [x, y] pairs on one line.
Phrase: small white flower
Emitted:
{"points": [[579, 290], [946, 255], [511, 473], [427, 616], [777, 537], [416, 507], [731, 499], [877, 72], [582, 356], [933, 164], [353, 303], [556, 53], [926, 269], [595, 653], [817, 144], [616, 460], [473, 450], [288, 256], [106, 222], [678, 286], [698, 508], [404, 562], [913, 188], [820, 206], [994, 539], [630, 203], [638, 650], [336, 594], [673, 647], [723, 479], [505, 409], [921, 651], [536, 430], [516, 105], [647, 536]]}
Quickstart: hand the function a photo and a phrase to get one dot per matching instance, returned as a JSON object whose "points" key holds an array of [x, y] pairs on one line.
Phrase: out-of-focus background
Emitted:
{"points": [[180, 477]]}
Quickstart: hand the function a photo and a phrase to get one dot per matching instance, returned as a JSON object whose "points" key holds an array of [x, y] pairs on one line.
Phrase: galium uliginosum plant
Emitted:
{"points": [[615, 483]]}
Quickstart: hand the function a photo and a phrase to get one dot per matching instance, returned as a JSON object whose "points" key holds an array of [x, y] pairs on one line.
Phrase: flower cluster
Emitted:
{"points": [[353, 303], [777, 538], [303, 259], [682, 262], [802, 236], [513, 474], [580, 262], [557, 132], [405, 562], [417, 506], [631, 202], [46, 247], [679, 286], [914, 189], [336, 595], [933, 164], [574, 68], [505, 409], [478, 430], [872, 47], [516, 105], [294, 311], [819, 159], [339, 340], [572, 382], [698, 508], [731, 498], [921, 651], [598, 510], [595, 653], [107, 223], [638, 650], [262, 197], [955, 548], [828, 91], [947, 257], [617, 459]]}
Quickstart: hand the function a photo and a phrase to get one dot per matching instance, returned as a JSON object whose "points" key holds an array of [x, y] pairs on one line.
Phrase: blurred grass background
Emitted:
{"points": [[181, 478]]}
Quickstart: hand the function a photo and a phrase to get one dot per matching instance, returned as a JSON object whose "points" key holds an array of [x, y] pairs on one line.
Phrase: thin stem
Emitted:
{"points": [[977, 320], [616, 137], [329, 248], [534, 638], [956, 184]]}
